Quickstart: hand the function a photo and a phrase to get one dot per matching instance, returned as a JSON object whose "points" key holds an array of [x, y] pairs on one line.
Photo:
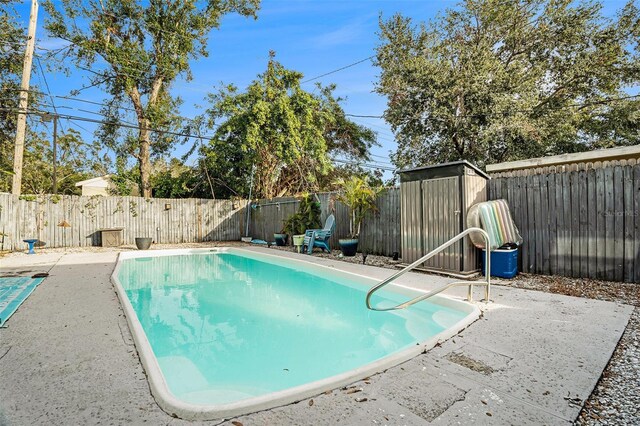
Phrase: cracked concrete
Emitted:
{"points": [[69, 359]]}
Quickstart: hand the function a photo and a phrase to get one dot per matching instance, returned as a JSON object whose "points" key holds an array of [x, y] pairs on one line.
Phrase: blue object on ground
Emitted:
{"points": [[31, 243], [14, 291], [504, 262], [262, 242]]}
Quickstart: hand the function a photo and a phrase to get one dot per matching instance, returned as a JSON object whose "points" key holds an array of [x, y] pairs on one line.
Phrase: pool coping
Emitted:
{"points": [[179, 408]]}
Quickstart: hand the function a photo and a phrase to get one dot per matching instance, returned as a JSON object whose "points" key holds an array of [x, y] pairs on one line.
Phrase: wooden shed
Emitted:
{"points": [[433, 209]]}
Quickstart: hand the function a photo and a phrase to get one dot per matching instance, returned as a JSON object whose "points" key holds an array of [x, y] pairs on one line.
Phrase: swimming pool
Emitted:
{"points": [[227, 331]]}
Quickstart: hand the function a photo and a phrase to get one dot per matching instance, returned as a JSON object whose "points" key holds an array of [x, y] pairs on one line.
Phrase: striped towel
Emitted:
{"points": [[494, 217]]}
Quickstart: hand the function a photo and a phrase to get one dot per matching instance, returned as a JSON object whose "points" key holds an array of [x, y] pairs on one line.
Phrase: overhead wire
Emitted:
{"points": [[76, 99], [46, 84], [72, 118], [364, 116], [363, 164], [337, 70], [573, 105], [379, 156], [120, 124]]}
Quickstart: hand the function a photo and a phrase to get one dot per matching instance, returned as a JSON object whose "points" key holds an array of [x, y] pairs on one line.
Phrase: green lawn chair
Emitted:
{"points": [[319, 237]]}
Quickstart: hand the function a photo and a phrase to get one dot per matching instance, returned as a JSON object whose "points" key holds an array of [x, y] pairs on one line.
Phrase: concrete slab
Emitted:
{"points": [[28, 264], [69, 359]]}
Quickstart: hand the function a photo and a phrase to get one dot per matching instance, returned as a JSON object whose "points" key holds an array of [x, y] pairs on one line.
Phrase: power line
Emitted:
{"points": [[76, 99], [129, 126], [379, 156], [366, 165], [92, 102], [44, 77], [385, 130], [78, 125], [505, 114], [338, 70], [363, 116], [90, 120], [94, 113], [385, 139]]}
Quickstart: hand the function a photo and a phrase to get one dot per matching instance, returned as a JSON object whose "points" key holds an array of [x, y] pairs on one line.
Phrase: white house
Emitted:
{"points": [[96, 186]]}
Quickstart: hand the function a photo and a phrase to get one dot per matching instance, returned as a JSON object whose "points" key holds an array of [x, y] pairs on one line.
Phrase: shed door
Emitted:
{"points": [[441, 221], [411, 221]]}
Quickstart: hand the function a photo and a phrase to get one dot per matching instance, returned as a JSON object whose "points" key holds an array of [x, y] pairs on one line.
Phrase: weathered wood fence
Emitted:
{"points": [[579, 220], [380, 233], [164, 220]]}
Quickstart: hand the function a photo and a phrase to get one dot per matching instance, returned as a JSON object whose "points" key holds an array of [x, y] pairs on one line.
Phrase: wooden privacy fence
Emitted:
{"points": [[579, 221], [380, 233], [164, 220]]}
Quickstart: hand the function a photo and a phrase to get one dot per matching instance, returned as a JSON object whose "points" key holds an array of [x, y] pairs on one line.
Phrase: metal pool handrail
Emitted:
{"points": [[486, 282]]}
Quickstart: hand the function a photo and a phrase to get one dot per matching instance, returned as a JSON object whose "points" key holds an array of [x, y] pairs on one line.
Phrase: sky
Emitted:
{"points": [[311, 36]]}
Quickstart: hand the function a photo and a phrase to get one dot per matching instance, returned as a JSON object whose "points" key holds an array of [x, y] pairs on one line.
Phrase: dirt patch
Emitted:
{"points": [[470, 363], [627, 293]]}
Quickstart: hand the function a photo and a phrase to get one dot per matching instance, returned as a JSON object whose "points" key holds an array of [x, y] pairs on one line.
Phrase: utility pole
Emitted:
{"points": [[24, 100], [46, 117], [55, 154]]}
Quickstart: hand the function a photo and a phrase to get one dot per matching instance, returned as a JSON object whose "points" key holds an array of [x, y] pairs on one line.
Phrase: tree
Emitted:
{"points": [[360, 196], [146, 45], [344, 137], [173, 179], [494, 81], [74, 163], [12, 42], [307, 216], [286, 132]]}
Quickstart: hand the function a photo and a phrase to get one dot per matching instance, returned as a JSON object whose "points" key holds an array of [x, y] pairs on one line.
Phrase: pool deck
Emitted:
{"points": [[67, 357]]}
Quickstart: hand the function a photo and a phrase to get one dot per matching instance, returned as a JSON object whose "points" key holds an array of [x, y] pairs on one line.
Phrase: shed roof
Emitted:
{"points": [[434, 169], [610, 154]]}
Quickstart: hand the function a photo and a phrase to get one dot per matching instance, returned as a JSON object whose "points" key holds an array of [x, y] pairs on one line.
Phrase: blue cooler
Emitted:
{"points": [[504, 262]]}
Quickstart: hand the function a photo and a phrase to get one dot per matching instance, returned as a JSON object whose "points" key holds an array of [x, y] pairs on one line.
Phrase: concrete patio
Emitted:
{"points": [[67, 357]]}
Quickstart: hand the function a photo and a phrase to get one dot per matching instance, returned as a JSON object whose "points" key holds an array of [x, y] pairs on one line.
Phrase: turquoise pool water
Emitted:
{"points": [[225, 327]]}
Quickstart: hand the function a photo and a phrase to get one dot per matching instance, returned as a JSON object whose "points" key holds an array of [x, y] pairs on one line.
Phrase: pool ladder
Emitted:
{"points": [[486, 282]]}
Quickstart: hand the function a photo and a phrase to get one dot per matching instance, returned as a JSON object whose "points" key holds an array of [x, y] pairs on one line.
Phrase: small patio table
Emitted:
{"points": [[31, 242]]}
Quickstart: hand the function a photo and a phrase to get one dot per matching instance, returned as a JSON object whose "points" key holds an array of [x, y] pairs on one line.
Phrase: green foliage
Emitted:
{"points": [[11, 39], [173, 180], [125, 179], [74, 163], [492, 81], [343, 136], [147, 46], [274, 124], [307, 217], [374, 177], [282, 129], [360, 196]]}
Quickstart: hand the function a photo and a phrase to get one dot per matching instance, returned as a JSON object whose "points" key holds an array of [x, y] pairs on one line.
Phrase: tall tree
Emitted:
{"points": [[11, 54], [285, 131], [494, 80], [146, 45]]}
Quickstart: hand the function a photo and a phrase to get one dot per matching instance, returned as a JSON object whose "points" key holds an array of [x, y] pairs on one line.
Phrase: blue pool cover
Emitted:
{"points": [[14, 291]]}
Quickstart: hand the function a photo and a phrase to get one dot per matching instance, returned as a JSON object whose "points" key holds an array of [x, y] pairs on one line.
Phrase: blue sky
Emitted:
{"points": [[310, 36]]}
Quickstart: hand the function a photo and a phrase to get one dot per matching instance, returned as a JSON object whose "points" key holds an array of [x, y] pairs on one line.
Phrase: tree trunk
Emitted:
{"points": [[144, 162], [144, 139]]}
